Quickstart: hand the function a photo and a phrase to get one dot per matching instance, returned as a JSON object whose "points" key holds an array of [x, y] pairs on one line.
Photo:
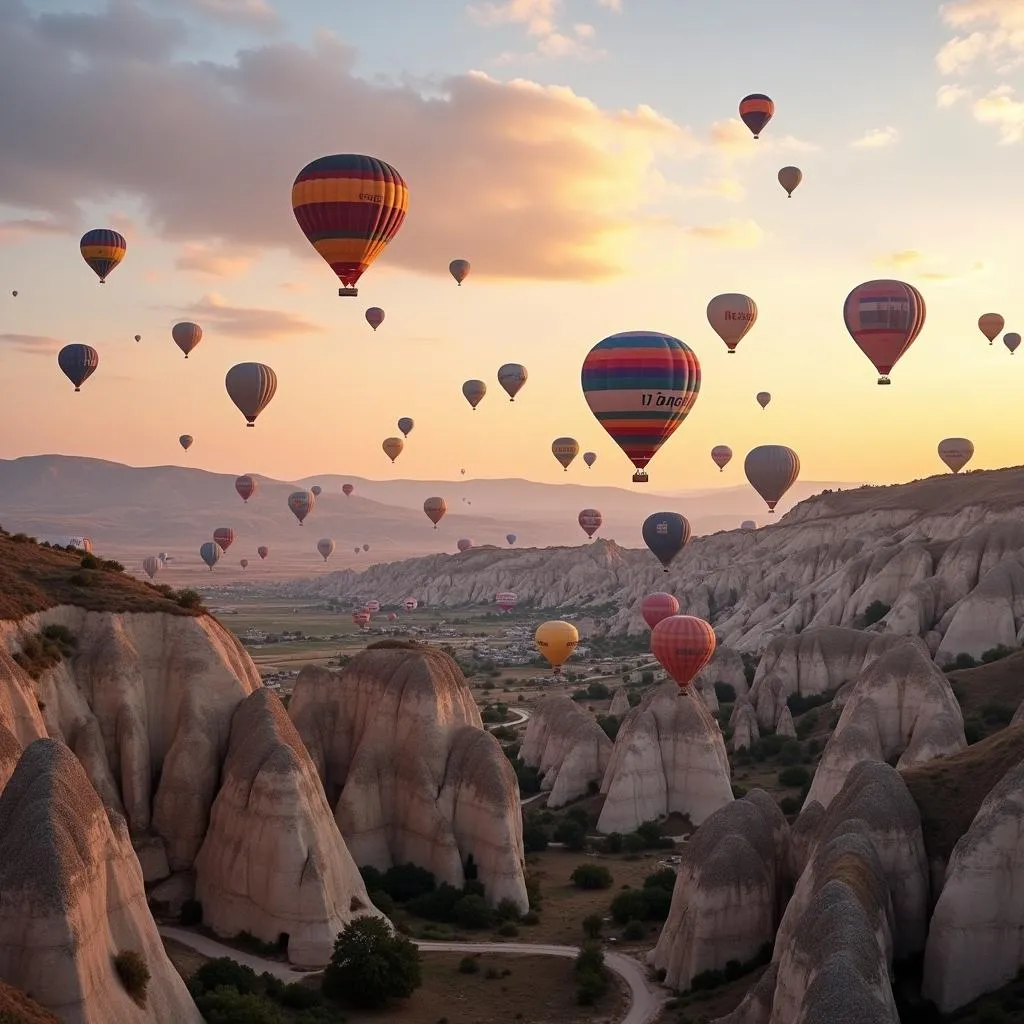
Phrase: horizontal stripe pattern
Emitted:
{"points": [[884, 318]]}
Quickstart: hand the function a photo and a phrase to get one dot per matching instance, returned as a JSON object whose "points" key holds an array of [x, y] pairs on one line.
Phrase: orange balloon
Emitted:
{"points": [[683, 645]]}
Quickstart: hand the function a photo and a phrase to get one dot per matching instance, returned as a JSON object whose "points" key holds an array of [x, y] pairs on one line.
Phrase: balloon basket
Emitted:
{"points": [[884, 380], [640, 477], [349, 293]]}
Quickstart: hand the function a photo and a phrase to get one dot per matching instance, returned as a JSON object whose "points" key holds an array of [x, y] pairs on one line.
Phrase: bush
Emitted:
{"points": [[634, 931], [535, 838], [612, 843], [664, 879], [794, 776], [508, 930], [191, 913], [189, 599], [592, 925], [299, 997], [228, 1006], [88, 561], [473, 912], [528, 778], [875, 612], [438, 905], [506, 910], [572, 833], [591, 977], [134, 974], [610, 724], [799, 704], [531, 917], [404, 882], [598, 691], [790, 805], [996, 714], [469, 965], [371, 965], [222, 973], [738, 791], [382, 901], [996, 654], [725, 692], [629, 905], [533, 892], [634, 696], [591, 876]]}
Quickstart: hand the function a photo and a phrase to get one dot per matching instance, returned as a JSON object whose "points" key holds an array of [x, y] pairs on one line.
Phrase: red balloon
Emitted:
{"points": [[683, 644], [590, 519], [246, 487], [658, 606], [224, 537], [884, 318]]}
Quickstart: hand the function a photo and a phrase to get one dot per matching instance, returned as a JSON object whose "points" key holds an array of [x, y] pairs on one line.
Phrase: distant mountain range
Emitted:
{"points": [[133, 511]]}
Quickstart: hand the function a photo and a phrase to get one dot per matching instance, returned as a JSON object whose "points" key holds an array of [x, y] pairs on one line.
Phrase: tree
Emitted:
{"points": [[571, 833], [371, 964], [591, 876], [592, 925]]}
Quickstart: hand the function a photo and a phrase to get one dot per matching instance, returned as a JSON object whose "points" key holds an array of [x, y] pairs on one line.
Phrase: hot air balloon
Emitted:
{"points": [[224, 537], [14, 295], [349, 207], [884, 318], [317, 490], [506, 600], [372, 607], [410, 604], [763, 398], [356, 549], [186, 336], [474, 390], [990, 324], [78, 363], [366, 547], [186, 441], [590, 458], [721, 456], [326, 547], [790, 178], [556, 640], [361, 619], [772, 469], [435, 509], [956, 452], [683, 645], [246, 487], [756, 111], [511, 538], [392, 616], [210, 553], [666, 534], [405, 425], [590, 520], [102, 249], [658, 606], [151, 565], [462, 471], [464, 544], [748, 524], [301, 504], [731, 316], [512, 377], [1011, 341], [163, 556], [392, 447], [263, 551], [565, 449], [459, 269], [138, 337], [347, 490], [244, 563], [251, 386], [640, 385], [374, 316]]}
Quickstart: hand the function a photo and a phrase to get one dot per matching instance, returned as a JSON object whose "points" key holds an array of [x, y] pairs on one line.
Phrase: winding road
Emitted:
{"points": [[645, 1000]]}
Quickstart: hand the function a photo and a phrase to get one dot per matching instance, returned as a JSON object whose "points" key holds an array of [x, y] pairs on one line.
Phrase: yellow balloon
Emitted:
{"points": [[393, 447], [556, 640]]}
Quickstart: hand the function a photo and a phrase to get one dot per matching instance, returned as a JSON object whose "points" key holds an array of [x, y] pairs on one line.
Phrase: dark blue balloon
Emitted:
{"points": [[666, 534], [78, 362]]}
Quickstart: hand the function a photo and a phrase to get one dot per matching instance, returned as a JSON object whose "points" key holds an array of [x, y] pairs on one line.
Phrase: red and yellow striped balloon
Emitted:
{"points": [[683, 644]]}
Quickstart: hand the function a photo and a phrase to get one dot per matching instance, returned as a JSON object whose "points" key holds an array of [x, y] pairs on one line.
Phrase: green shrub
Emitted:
{"points": [[572, 834], [996, 654], [299, 997], [189, 599], [875, 612], [508, 930], [506, 910], [228, 1006], [404, 882], [469, 965], [371, 965], [634, 931], [222, 973], [591, 976], [663, 879], [134, 974], [790, 804], [610, 724], [996, 714], [725, 692], [191, 913], [612, 843], [592, 925], [88, 561], [473, 912], [738, 791], [791, 752], [629, 905], [591, 876], [382, 901], [530, 917], [794, 776]]}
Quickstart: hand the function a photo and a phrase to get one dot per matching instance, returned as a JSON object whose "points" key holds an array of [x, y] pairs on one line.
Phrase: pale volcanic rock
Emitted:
{"points": [[710, 698], [784, 724], [20, 714], [975, 940], [745, 731], [567, 746], [725, 666], [73, 897], [398, 743], [669, 757], [1018, 716], [731, 887], [875, 801], [901, 708], [620, 703], [756, 1007], [146, 703], [990, 616], [273, 860]]}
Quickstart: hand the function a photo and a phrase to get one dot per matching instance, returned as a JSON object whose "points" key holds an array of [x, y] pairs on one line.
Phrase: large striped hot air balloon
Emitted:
{"points": [[78, 363], [772, 469], [658, 606], [410, 604], [756, 110], [186, 335], [590, 520], [435, 509], [301, 504], [102, 249], [666, 534], [251, 386], [224, 537], [683, 645], [246, 486], [731, 316], [721, 456], [640, 385], [884, 318], [151, 565], [506, 600], [210, 553], [349, 207], [956, 452]]}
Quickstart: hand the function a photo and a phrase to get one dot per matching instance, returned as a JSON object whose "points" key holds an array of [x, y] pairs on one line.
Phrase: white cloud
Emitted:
{"points": [[540, 18], [1001, 109], [950, 95], [734, 234], [876, 138], [995, 33], [611, 5]]}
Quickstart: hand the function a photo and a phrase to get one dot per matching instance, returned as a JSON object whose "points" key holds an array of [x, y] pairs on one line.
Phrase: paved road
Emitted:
{"points": [[524, 716], [645, 999]]}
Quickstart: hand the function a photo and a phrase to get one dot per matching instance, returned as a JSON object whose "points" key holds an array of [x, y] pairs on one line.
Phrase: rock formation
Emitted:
{"points": [[745, 731], [567, 746], [731, 887], [620, 703], [725, 666], [273, 862], [710, 698], [67, 867], [398, 743], [902, 707], [784, 725], [669, 757], [976, 942]]}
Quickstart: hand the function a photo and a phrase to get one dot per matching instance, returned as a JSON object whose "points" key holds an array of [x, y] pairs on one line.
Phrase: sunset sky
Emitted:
{"points": [[584, 155]]}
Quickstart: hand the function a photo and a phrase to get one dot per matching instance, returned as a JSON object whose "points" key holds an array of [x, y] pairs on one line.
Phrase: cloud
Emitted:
{"points": [[734, 234], [924, 268], [540, 18], [876, 138], [125, 31], [950, 95], [615, 6], [903, 258], [15, 230], [213, 313], [256, 13], [529, 181], [1003, 110], [732, 138], [995, 35], [208, 261], [295, 287], [32, 344]]}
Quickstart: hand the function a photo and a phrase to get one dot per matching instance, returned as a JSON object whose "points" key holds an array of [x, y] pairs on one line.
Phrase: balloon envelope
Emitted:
{"points": [[556, 640], [224, 537], [756, 110], [512, 377], [410, 604], [374, 316], [263, 551], [349, 207], [764, 398], [721, 455], [884, 318], [435, 509], [251, 386], [210, 553], [956, 452], [589, 458], [640, 385], [317, 490], [301, 504], [772, 469], [102, 249], [506, 600], [405, 425], [78, 363], [666, 534], [748, 524], [474, 390], [590, 520], [185, 441], [511, 538], [683, 645], [186, 336], [392, 447], [565, 449], [1011, 341], [990, 324], [464, 544], [151, 565], [347, 489], [731, 316], [790, 178], [326, 547], [459, 269], [658, 606]]}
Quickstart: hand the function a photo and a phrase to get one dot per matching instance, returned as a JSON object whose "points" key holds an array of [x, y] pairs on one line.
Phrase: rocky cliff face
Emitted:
{"points": [[669, 757], [397, 740], [67, 867], [567, 746]]}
